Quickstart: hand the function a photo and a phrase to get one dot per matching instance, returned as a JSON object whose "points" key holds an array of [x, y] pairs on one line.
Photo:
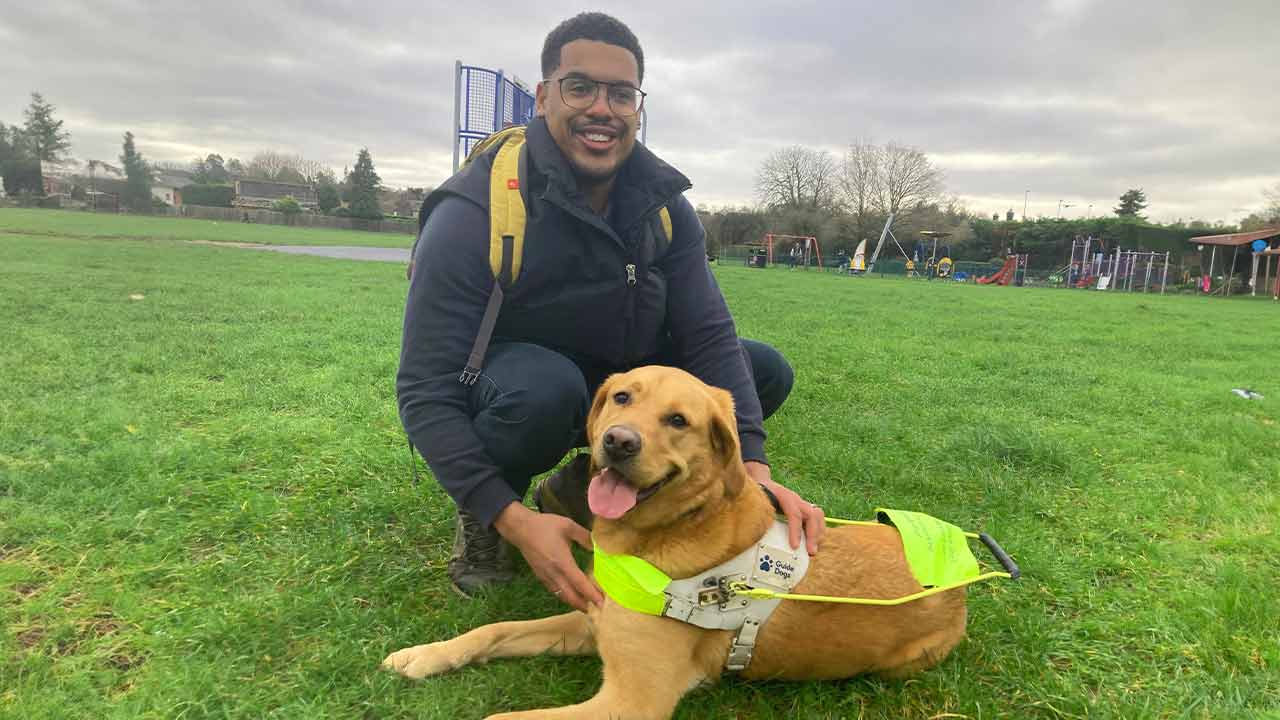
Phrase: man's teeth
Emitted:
{"points": [[596, 137]]}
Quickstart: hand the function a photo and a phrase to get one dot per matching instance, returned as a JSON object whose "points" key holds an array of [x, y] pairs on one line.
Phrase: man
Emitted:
{"points": [[599, 292]]}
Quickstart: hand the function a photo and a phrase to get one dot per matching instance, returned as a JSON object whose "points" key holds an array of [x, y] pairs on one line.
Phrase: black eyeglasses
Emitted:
{"points": [[580, 93]]}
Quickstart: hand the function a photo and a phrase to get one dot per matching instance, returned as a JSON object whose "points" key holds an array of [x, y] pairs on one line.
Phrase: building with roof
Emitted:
{"points": [[254, 193], [1263, 244], [167, 187]]}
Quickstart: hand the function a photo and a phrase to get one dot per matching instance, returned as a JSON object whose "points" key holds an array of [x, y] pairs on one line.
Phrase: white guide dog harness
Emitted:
{"points": [[706, 599]]}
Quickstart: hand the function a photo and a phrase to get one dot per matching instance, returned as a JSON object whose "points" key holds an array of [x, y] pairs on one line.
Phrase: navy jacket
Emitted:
{"points": [[572, 296]]}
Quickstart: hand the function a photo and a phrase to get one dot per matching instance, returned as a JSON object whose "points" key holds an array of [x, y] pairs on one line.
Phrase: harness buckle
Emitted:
{"points": [[743, 647]]}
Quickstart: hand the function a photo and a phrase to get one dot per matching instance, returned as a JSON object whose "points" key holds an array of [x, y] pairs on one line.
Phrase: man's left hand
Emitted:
{"points": [[799, 513]]}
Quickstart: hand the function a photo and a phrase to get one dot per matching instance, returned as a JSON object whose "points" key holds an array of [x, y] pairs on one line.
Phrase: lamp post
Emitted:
{"points": [[1024, 205], [1063, 205], [1090, 209]]}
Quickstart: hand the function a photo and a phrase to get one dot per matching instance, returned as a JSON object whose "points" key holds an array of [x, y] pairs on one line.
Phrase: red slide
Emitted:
{"points": [[1001, 276]]}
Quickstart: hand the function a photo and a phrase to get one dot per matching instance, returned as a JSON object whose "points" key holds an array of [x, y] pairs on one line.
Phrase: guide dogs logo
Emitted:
{"points": [[781, 568]]}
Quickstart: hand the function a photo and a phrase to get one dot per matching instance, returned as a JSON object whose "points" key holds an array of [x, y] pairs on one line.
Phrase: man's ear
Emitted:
{"points": [[540, 98], [596, 406], [724, 440]]}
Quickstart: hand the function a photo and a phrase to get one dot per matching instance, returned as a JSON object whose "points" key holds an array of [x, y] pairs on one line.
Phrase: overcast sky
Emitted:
{"points": [[1073, 100]]}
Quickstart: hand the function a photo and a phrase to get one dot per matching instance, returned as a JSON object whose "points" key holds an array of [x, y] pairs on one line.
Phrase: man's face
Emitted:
{"points": [[596, 140]]}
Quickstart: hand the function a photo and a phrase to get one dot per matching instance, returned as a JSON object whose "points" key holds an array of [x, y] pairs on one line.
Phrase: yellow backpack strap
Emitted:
{"points": [[506, 233], [498, 138], [665, 215], [506, 209]]}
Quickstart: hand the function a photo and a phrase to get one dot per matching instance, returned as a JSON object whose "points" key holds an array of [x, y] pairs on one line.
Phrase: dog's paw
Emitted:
{"points": [[419, 661]]}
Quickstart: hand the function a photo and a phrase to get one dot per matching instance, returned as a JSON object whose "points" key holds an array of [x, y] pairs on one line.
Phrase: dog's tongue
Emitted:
{"points": [[609, 495]]}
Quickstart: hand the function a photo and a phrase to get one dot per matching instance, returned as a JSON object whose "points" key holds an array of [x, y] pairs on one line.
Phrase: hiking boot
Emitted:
{"points": [[481, 557], [564, 493]]}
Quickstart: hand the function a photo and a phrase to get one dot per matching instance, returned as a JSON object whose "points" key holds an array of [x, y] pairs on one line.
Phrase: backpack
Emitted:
{"points": [[507, 201]]}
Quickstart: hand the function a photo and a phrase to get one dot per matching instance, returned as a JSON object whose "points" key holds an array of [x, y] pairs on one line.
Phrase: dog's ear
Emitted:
{"points": [[724, 440], [596, 406]]}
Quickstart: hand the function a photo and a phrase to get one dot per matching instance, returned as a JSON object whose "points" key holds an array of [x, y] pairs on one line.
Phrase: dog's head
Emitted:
{"points": [[662, 443]]}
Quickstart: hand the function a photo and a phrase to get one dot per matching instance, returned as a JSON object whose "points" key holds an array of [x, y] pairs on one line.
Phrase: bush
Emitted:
{"points": [[208, 195], [287, 205]]}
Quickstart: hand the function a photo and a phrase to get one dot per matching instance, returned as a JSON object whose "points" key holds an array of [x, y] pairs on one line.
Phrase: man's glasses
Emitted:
{"points": [[580, 93]]}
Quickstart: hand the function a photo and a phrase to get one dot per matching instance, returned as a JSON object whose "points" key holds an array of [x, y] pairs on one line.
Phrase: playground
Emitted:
{"points": [[208, 508]]}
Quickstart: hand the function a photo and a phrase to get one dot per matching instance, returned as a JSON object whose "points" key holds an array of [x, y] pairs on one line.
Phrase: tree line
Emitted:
{"points": [[42, 142], [844, 200]]}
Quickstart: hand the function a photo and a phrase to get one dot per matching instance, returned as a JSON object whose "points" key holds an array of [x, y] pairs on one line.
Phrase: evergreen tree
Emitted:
{"points": [[49, 142], [6, 152], [364, 184], [137, 192], [1132, 204], [18, 164], [327, 196]]}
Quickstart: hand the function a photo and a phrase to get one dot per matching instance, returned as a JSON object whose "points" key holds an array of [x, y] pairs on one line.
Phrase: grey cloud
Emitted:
{"points": [[1068, 97]]}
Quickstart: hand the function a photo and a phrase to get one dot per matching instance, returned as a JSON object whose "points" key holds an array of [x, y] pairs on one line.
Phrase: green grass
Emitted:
{"points": [[206, 508], [79, 224]]}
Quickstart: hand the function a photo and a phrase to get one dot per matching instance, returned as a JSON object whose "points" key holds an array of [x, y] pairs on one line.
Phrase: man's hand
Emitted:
{"points": [[545, 542], [800, 514]]}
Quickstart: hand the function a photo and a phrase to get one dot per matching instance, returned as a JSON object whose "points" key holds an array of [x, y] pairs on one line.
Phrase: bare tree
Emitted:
{"points": [[1273, 199], [267, 164], [908, 179], [282, 167], [797, 177], [313, 170], [860, 185]]}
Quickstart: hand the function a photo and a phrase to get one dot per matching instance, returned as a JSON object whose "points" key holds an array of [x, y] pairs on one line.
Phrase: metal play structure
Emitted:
{"points": [[808, 244], [1263, 244], [486, 101], [1272, 284], [1013, 271], [1130, 270], [886, 232]]}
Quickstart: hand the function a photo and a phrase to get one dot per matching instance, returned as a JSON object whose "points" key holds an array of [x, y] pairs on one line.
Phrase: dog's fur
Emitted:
{"points": [[705, 514]]}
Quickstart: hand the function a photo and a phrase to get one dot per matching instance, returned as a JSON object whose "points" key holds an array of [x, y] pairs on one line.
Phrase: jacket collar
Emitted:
{"points": [[645, 182]]}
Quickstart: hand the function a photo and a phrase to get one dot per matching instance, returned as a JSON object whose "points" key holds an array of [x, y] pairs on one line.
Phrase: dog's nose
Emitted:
{"points": [[621, 442]]}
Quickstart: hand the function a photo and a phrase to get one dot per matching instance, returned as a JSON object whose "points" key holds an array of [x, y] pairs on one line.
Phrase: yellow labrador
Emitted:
{"points": [[671, 488]]}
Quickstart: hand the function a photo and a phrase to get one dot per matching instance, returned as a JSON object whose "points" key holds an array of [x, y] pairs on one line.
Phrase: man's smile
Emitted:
{"points": [[597, 138]]}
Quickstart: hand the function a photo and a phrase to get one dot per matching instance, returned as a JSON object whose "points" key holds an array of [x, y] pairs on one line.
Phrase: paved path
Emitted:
{"points": [[343, 252]]}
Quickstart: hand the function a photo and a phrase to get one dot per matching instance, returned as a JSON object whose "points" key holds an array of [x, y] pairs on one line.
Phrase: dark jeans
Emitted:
{"points": [[530, 405]]}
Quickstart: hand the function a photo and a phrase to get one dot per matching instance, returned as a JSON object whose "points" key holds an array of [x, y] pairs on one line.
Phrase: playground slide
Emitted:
{"points": [[1086, 281], [1001, 276]]}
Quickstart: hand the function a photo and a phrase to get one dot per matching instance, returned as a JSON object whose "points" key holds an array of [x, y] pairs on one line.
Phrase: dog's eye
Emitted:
{"points": [[622, 398], [677, 420]]}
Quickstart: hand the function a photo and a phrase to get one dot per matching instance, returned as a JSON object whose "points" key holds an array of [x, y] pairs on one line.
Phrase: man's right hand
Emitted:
{"points": [[545, 542]]}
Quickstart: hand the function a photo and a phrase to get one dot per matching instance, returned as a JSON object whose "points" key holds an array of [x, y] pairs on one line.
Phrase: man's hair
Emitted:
{"points": [[589, 26]]}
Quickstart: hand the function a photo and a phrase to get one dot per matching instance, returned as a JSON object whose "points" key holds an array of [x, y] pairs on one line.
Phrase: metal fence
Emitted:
{"points": [[484, 102]]}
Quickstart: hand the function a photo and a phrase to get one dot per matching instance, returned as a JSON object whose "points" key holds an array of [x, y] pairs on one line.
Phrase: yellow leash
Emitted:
{"points": [[1011, 572]]}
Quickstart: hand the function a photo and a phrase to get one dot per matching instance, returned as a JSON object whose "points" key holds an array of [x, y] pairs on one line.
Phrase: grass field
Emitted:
{"points": [[102, 226], [206, 508]]}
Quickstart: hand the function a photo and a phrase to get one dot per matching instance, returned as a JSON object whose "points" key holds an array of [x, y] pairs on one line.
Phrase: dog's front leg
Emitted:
{"points": [[649, 664], [635, 695], [567, 634]]}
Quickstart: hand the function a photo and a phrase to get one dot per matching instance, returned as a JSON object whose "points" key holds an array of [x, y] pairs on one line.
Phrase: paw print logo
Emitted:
{"points": [[766, 564]]}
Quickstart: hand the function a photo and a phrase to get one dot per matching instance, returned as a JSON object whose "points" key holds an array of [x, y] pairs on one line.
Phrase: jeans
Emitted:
{"points": [[530, 405]]}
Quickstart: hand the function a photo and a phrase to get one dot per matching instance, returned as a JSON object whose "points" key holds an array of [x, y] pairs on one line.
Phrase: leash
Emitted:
{"points": [[1010, 572]]}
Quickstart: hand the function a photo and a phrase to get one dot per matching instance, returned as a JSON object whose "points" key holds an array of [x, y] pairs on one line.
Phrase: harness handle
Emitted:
{"points": [[1007, 562]]}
